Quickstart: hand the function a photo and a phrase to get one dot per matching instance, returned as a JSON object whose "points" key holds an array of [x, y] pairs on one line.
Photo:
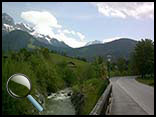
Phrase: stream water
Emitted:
{"points": [[59, 103]]}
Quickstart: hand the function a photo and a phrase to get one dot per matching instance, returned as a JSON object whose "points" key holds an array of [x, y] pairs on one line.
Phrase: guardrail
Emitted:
{"points": [[101, 107]]}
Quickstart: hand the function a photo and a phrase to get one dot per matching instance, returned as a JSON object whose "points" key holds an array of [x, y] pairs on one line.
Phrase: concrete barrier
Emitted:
{"points": [[101, 107]]}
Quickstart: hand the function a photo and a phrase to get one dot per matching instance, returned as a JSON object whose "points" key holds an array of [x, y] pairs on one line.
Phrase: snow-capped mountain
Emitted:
{"points": [[6, 19], [44, 38], [24, 27], [7, 28], [8, 25], [93, 42], [103, 41]]}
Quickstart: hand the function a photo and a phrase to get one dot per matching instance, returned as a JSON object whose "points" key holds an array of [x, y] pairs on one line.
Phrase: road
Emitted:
{"points": [[130, 97]]}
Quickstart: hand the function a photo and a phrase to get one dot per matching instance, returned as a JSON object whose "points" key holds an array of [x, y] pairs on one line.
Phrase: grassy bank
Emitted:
{"points": [[148, 80], [50, 72], [93, 90]]}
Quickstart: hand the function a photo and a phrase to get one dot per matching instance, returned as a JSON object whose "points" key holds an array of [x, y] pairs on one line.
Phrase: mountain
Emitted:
{"points": [[6, 19], [7, 24], [24, 27], [11, 29], [93, 42], [56, 43], [117, 48], [17, 39], [17, 36]]}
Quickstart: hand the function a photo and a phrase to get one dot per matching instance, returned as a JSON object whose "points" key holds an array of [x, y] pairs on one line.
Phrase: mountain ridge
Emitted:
{"points": [[21, 37], [93, 42], [117, 48]]}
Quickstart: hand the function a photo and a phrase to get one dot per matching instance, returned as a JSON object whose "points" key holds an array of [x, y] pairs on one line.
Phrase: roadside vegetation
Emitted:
{"points": [[149, 80], [51, 72], [120, 67], [143, 58], [141, 63]]}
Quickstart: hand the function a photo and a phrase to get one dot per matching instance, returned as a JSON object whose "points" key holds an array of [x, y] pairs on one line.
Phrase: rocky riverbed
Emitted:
{"points": [[59, 103]]}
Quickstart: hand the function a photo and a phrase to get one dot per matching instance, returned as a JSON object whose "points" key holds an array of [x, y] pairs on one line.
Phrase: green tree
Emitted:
{"points": [[45, 52], [103, 71], [143, 57], [100, 60], [121, 64]]}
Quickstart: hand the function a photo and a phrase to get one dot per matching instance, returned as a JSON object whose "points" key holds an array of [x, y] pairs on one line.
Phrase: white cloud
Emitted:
{"points": [[81, 36], [73, 33], [126, 9], [40, 18], [66, 31], [72, 42], [45, 22]]}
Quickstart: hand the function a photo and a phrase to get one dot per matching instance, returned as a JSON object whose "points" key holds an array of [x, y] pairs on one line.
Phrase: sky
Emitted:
{"points": [[77, 23]]}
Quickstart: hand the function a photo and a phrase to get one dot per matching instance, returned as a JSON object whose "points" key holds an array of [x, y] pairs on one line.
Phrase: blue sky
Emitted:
{"points": [[78, 23]]}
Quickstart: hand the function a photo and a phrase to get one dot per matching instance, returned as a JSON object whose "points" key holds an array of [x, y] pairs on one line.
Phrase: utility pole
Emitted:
{"points": [[108, 65]]}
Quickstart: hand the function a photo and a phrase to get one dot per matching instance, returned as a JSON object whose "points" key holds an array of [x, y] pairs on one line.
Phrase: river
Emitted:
{"points": [[59, 103]]}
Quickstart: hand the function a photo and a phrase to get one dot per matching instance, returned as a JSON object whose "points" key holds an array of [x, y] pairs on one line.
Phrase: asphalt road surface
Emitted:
{"points": [[130, 97]]}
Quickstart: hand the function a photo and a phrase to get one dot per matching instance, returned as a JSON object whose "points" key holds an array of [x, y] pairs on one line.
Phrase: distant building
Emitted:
{"points": [[5, 56], [71, 64]]}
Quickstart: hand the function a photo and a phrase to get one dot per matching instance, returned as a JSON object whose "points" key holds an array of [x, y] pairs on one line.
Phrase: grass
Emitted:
{"points": [[58, 58], [147, 80]]}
